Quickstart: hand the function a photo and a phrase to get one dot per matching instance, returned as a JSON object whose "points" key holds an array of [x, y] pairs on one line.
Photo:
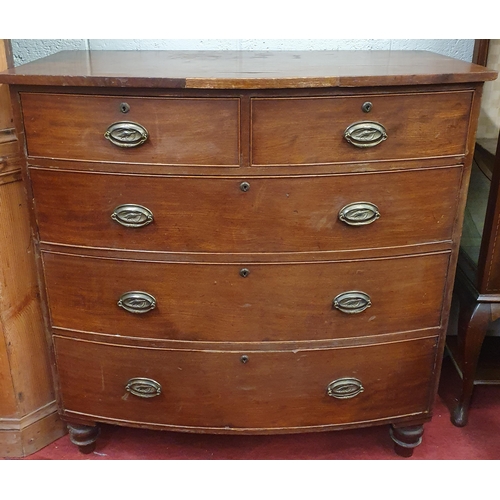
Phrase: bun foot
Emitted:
{"points": [[83, 436], [406, 439]]}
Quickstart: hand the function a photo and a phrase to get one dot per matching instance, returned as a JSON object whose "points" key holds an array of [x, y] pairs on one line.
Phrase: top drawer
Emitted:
{"points": [[311, 130], [187, 131]]}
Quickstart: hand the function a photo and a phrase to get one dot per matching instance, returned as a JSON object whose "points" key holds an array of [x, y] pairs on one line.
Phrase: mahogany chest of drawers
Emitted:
{"points": [[244, 242]]}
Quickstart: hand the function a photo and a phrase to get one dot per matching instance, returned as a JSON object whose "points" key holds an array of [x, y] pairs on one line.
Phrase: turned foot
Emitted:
{"points": [[406, 439], [460, 416], [84, 436]]}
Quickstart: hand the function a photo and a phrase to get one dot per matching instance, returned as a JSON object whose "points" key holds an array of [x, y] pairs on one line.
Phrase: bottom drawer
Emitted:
{"points": [[247, 390]]}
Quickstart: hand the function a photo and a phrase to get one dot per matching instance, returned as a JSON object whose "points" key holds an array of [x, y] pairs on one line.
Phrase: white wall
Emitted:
{"points": [[26, 50]]}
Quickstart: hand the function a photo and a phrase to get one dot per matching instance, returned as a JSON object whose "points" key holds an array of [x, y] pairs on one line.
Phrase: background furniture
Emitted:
{"points": [[248, 242], [477, 287], [28, 412]]}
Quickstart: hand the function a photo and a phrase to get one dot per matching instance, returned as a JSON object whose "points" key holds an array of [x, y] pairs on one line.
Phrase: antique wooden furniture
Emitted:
{"points": [[247, 242], [28, 410], [477, 286]]}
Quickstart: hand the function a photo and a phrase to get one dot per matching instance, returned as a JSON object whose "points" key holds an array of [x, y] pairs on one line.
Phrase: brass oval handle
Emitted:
{"points": [[130, 215], [345, 388], [352, 302], [137, 302], [359, 214], [126, 134], [143, 387], [365, 134]]}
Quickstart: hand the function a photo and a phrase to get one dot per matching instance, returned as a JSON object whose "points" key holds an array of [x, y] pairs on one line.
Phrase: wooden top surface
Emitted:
{"points": [[245, 69]]}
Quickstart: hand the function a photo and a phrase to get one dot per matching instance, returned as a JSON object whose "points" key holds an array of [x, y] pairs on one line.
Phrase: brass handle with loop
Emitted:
{"points": [[359, 214], [126, 134], [137, 302], [143, 387], [130, 215], [344, 388], [365, 134], [352, 302]]}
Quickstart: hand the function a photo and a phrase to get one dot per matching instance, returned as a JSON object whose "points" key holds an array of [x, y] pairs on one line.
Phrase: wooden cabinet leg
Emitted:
{"points": [[406, 439], [472, 326], [84, 436]]}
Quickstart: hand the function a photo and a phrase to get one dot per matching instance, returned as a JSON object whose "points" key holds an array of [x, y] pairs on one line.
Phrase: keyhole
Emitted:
{"points": [[367, 107], [124, 107], [244, 359], [244, 186], [244, 273]]}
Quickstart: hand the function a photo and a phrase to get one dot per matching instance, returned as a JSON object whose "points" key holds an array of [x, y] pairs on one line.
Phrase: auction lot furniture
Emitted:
{"points": [[247, 242]]}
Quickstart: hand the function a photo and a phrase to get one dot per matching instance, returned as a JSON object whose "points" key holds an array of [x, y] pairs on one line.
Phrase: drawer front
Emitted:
{"points": [[256, 302], [244, 390], [295, 131], [180, 131], [254, 215]]}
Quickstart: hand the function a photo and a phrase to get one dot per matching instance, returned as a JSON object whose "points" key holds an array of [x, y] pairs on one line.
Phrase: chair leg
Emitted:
{"points": [[472, 326]]}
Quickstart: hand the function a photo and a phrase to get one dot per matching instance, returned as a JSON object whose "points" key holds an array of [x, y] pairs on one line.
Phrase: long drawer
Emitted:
{"points": [[228, 391], [254, 215], [315, 130], [238, 302], [187, 131]]}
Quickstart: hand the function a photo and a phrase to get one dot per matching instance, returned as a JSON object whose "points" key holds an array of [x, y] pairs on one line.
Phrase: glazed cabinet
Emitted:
{"points": [[246, 242]]}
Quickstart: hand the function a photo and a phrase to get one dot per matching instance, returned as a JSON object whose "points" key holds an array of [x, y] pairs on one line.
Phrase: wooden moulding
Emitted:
{"points": [[28, 410]]}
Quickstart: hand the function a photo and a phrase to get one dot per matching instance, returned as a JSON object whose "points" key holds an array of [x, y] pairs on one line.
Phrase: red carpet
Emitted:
{"points": [[479, 440]]}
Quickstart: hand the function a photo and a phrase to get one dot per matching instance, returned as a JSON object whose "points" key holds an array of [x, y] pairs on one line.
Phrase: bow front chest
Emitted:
{"points": [[247, 242]]}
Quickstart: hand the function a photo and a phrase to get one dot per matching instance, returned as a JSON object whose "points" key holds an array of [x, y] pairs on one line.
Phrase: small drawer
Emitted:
{"points": [[254, 215], [187, 131], [313, 130], [252, 302], [247, 390]]}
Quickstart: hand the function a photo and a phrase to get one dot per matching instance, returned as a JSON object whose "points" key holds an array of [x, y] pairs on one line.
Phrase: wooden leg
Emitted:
{"points": [[472, 325], [84, 436], [406, 439]]}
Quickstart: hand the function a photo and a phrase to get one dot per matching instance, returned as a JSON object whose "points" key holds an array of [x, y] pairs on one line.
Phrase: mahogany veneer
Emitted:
{"points": [[238, 242]]}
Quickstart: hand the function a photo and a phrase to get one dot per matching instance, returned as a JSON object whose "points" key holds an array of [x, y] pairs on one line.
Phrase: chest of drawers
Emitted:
{"points": [[247, 242]]}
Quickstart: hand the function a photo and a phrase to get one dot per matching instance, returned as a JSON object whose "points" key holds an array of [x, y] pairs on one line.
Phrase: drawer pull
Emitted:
{"points": [[132, 215], [143, 387], [365, 134], [352, 302], [359, 214], [345, 388], [137, 302], [126, 134]]}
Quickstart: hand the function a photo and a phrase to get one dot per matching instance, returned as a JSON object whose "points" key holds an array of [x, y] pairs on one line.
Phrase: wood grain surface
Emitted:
{"points": [[273, 390], [284, 214], [245, 69], [274, 302]]}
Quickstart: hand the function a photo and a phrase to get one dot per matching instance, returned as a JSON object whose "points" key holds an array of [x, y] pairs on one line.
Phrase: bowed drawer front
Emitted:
{"points": [[313, 130], [245, 390], [247, 242], [255, 215], [152, 130], [247, 302]]}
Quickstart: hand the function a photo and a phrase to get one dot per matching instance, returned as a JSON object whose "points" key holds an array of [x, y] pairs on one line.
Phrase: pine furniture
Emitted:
{"points": [[28, 411]]}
